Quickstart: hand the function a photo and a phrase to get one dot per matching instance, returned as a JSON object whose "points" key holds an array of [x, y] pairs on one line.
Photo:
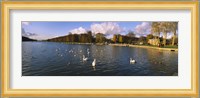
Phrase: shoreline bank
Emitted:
{"points": [[140, 46], [127, 45]]}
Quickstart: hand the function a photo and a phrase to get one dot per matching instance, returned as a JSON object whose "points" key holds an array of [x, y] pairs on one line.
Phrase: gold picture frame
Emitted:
{"points": [[5, 43]]}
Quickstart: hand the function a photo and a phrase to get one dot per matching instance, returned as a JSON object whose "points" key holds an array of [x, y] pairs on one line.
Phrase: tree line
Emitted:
{"points": [[165, 28], [156, 29], [97, 38], [81, 38]]}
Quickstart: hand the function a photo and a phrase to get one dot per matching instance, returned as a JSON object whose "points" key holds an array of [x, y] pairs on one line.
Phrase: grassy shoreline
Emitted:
{"points": [[147, 46], [167, 48]]}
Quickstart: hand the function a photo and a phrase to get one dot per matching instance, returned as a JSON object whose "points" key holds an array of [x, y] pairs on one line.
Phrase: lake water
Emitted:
{"points": [[60, 59]]}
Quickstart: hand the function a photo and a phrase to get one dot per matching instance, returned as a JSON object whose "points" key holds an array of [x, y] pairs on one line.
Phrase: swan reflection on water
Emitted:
{"points": [[94, 68]]}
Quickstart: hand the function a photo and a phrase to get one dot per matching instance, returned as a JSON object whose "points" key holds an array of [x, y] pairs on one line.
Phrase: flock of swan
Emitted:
{"points": [[132, 61], [85, 58]]}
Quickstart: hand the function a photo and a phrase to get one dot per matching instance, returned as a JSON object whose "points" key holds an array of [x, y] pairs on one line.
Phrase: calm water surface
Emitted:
{"points": [[60, 59]]}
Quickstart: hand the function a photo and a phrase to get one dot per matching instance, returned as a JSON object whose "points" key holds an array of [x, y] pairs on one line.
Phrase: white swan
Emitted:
{"points": [[132, 61], [88, 52], [84, 58], [94, 63]]}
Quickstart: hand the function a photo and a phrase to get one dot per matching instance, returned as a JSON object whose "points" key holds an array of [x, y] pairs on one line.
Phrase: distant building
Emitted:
{"points": [[153, 41]]}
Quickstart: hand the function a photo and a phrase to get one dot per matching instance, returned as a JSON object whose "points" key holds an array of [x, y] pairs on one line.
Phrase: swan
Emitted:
{"points": [[88, 50], [70, 51], [132, 61], [94, 63], [57, 49], [84, 58]]}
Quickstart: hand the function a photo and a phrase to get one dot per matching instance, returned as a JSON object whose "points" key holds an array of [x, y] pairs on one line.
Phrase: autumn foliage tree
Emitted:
{"points": [[100, 38], [121, 39], [165, 28]]}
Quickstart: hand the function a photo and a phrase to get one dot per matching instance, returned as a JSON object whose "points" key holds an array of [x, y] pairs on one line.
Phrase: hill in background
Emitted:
{"points": [[27, 39]]}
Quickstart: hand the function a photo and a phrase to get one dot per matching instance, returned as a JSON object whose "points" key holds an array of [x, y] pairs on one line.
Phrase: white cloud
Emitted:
{"points": [[27, 34], [106, 28], [79, 30], [26, 23], [143, 29]]}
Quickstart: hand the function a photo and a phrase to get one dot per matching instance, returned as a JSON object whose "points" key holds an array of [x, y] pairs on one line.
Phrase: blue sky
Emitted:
{"points": [[44, 30]]}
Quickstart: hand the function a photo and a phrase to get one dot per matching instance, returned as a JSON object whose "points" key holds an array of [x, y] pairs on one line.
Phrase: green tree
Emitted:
{"points": [[83, 38], [142, 39], [67, 38], [129, 38], [89, 38], [173, 29], [131, 34], [149, 36], [76, 38], [156, 29], [164, 27]]}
